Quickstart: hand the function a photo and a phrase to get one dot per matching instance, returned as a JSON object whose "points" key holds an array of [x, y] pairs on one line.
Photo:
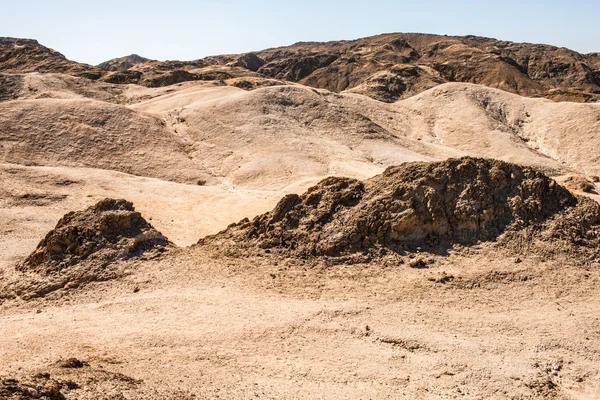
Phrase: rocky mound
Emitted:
{"points": [[107, 231], [84, 246], [422, 206]]}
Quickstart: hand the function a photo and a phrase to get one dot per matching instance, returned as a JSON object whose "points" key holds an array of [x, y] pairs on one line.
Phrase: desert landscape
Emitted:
{"points": [[398, 216]]}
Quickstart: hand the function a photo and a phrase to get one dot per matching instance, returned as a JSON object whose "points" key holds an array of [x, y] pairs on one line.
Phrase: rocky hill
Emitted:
{"points": [[392, 66], [19, 56], [122, 63], [426, 207], [385, 67]]}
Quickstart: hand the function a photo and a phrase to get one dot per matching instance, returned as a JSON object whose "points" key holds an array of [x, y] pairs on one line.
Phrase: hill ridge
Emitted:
{"points": [[386, 67]]}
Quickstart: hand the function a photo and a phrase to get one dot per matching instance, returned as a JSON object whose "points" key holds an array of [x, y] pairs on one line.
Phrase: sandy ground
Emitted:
{"points": [[33, 199], [201, 326], [197, 324]]}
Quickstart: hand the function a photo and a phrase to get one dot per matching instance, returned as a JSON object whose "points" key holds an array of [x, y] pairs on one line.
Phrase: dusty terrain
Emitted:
{"points": [[470, 278]]}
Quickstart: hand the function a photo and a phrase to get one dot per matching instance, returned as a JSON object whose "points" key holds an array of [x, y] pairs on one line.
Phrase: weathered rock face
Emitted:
{"points": [[250, 61], [110, 230], [124, 77], [426, 205]]}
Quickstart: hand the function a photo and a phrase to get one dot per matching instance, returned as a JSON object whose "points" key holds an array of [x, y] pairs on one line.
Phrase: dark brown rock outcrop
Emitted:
{"points": [[86, 246], [429, 206], [10, 86], [110, 230], [40, 386]]}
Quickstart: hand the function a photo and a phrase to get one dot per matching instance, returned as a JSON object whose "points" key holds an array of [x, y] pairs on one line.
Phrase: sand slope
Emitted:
{"points": [[282, 135], [287, 136]]}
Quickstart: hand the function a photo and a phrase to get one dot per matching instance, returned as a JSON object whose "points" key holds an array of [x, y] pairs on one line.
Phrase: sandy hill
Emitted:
{"points": [[90, 133], [286, 136], [278, 136], [122, 63]]}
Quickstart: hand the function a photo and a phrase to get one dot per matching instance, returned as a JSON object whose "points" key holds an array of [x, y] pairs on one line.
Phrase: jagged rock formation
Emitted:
{"points": [[431, 206], [83, 246], [123, 63]]}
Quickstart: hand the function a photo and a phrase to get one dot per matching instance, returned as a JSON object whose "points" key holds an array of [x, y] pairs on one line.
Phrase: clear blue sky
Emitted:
{"points": [[93, 31]]}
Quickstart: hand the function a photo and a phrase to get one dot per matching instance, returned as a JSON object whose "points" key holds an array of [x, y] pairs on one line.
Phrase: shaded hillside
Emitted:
{"points": [[90, 133]]}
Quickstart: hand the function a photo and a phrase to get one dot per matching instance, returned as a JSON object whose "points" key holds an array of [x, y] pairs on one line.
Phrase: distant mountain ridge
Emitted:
{"points": [[123, 63], [386, 67]]}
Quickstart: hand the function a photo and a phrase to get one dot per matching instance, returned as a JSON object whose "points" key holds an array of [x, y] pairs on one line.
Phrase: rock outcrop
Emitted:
{"points": [[19, 56], [40, 386], [86, 246], [106, 232], [421, 206], [10, 86]]}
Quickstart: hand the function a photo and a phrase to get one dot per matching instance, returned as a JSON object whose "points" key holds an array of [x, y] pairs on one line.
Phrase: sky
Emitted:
{"points": [[93, 32]]}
